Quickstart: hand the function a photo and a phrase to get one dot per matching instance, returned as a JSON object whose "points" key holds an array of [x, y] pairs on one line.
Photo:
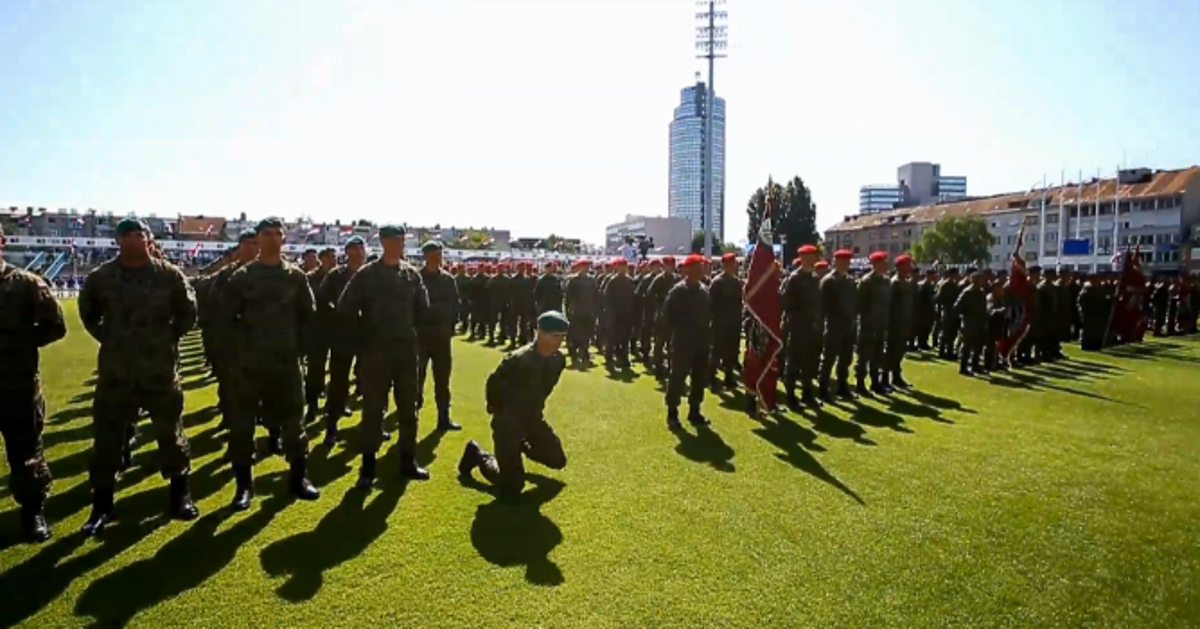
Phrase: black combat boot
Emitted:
{"points": [[899, 382], [880, 386], [102, 512], [243, 491], [731, 382], [964, 368], [331, 432], [810, 400], [860, 387], [696, 418], [298, 483], [673, 418], [470, 458], [33, 523], [445, 423], [793, 402], [714, 384], [845, 392], [275, 441], [180, 505], [409, 468], [366, 473]]}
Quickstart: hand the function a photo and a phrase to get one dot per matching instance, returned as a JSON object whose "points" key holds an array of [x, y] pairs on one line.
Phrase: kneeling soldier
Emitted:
{"points": [[516, 399]]}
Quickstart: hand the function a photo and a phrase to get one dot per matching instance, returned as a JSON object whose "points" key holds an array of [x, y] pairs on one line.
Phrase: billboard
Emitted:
{"points": [[1076, 247]]}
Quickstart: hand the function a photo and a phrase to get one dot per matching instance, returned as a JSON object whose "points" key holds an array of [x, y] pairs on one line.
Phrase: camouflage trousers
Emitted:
{"points": [[837, 348], [388, 369], [314, 369], [870, 360], [435, 349], [115, 410], [689, 365], [21, 424], [803, 355], [579, 334], [727, 339], [275, 393], [514, 438], [898, 341]]}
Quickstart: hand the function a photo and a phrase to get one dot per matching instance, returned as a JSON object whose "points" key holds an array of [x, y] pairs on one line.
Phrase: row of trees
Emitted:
{"points": [[955, 240], [792, 221]]}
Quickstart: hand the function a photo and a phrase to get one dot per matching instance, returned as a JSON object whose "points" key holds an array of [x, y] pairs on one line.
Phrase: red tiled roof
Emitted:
{"points": [[200, 224]]}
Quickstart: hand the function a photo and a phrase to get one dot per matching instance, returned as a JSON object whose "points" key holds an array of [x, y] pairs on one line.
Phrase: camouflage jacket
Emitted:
{"points": [[269, 310], [391, 301], [30, 318]]}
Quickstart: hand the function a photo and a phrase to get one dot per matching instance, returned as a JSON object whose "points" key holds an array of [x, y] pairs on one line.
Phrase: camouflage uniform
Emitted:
{"points": [[434, 337], [581, 296], [345, 339], [687, 314], [548, 292], [317, 352], [618, 308], [726, 294]]}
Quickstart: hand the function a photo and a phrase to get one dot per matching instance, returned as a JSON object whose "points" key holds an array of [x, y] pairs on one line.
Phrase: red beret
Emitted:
{"points": [[694, 260], [656, 262], [551, 265], [807, 249], [844, 253], [877, 256], [729, 257], [668, 259], [796, 262], [903, 259], [619, 262], [821, 264]]}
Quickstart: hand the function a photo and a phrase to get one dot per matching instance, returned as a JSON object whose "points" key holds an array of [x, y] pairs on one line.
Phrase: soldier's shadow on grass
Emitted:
{"points": [[70, 414], [1154, 351], [706, 446], [622, 375], [928, 399], [54, 438], [512, 531], [1015, 380], [186, 561], [347, 530], [878, 418], [831, 425], [905, 408], [797, 444]]}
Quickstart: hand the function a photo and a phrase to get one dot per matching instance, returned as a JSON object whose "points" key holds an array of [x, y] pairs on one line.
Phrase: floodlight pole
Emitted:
{"points": [[710, 38]]}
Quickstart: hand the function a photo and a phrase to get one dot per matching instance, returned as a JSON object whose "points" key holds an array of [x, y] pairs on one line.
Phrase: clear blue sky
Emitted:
{"points": [[552, 116]]}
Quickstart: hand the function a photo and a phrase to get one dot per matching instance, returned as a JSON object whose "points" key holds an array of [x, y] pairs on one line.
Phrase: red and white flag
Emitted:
{"points": [[1019, 308], [765, 341]]}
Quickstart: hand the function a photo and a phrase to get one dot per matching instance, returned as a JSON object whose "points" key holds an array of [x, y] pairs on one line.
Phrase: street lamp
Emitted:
{"points": [[711, 41]]}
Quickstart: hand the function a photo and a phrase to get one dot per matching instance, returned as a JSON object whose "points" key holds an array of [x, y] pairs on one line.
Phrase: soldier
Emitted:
{"points": [[1049, 347], [656, 296], [687, 315], [645, 324], [1033, 338], [309, 262], [223, 350], [481, 303], [802, 311], [618, 308], [523, 307], [874, 295], [463, 275], [548, 292], [345, 335], [137, 308], [726, 294], [498, 286], [270, 308], [997, 312], [971, 306], [1094, 308], [839, 308], [318, 349], [30, 319], [582, 294], [821, 269], [391, 299], [435, 332], [948, 319], [516, 399], [926, 309], [900, 323]]}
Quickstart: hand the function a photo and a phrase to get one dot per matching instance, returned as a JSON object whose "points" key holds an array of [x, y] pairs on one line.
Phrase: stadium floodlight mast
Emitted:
{"points": [[711, 42]]}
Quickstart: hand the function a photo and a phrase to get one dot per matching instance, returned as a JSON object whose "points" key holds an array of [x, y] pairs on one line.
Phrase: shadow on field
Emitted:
{"points": [[512, 531], [347, 530], [1157, 350], [797, 444], [70, 414], [1033, 382], [706, 446], [878, 418]]}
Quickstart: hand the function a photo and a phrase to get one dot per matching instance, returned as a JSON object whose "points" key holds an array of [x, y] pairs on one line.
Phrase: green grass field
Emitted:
{"points": [[1059, 496]]}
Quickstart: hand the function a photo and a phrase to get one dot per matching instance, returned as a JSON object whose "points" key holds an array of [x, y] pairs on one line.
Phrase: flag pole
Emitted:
{"points": [[1041, 248], [1096, 224], [1062, 187]]}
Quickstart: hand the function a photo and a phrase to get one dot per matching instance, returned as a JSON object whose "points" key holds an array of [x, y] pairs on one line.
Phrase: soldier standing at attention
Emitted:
{"points": [[726, 294], [926, 309], [687, 315], [481, 303], [1094, 309], [516, 399], [318, 349], [223, 346], [802, 309], [462, 281], [548, 292], [582, 295], [521, 295], [839, 308], [900, 323], [435, 333], [30, 319], [657, 296], [344, 334], [137, 308], [618, 308], [498, 297], [270, 308], [972, 308], [948, 318], [645, 323], [392, 301], [309, 262], [874, 296]]}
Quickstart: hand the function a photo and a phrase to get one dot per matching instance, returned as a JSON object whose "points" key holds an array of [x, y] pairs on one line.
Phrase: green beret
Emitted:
{"points": [[130, 225], [312, 250], [373, 257], [553, 322], [391, 231], [328, 251], [354, 240], [247, 234], [268, 223], [432, 245]]}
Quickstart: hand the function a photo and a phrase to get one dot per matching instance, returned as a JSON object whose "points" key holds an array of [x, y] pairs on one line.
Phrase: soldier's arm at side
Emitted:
{"points": [[454, 297], [183, 304], [420, 300], [48, 323], [305, 310], [91, 307], [350, 302]]}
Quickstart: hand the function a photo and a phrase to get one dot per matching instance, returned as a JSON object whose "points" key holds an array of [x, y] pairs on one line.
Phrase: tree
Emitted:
{"points": [[472, 240], [730, 247], [757, 207], [797, 223], [955, 240], [698, 244]]}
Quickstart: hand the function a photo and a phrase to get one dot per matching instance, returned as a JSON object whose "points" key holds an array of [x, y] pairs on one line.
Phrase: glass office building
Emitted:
{"points": [[951, 187], [688, 155], [878, 198]]}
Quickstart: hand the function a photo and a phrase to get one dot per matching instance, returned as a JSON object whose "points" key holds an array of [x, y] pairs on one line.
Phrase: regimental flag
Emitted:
{"points": [[1127, 320], [764, 341], [1019, 303]]}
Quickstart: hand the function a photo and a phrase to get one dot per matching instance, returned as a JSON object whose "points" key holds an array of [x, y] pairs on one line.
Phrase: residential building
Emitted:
{"points": [[878, 198], [689, 154], [1153, 211], [671, 234]]}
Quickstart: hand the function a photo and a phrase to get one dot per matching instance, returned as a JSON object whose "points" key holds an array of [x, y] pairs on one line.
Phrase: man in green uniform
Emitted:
{"points": [[945, 297], [726, 295], [1094, 309], [498, 297], [972, 310], [1027, 353], [645, 324], [344, 333], [270, 308], [391, 300], [656, 297], [549, 290], [1048, 346], [516, 399], [523, 306], [582, 295], [874, 312], [462, 281], [137, 308], [223, 346], [925, 309], [318, 341], [435, 333], [618, 308], [687, 315], [839, 310], [30, 319], [802, 312], [900, 323]]}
